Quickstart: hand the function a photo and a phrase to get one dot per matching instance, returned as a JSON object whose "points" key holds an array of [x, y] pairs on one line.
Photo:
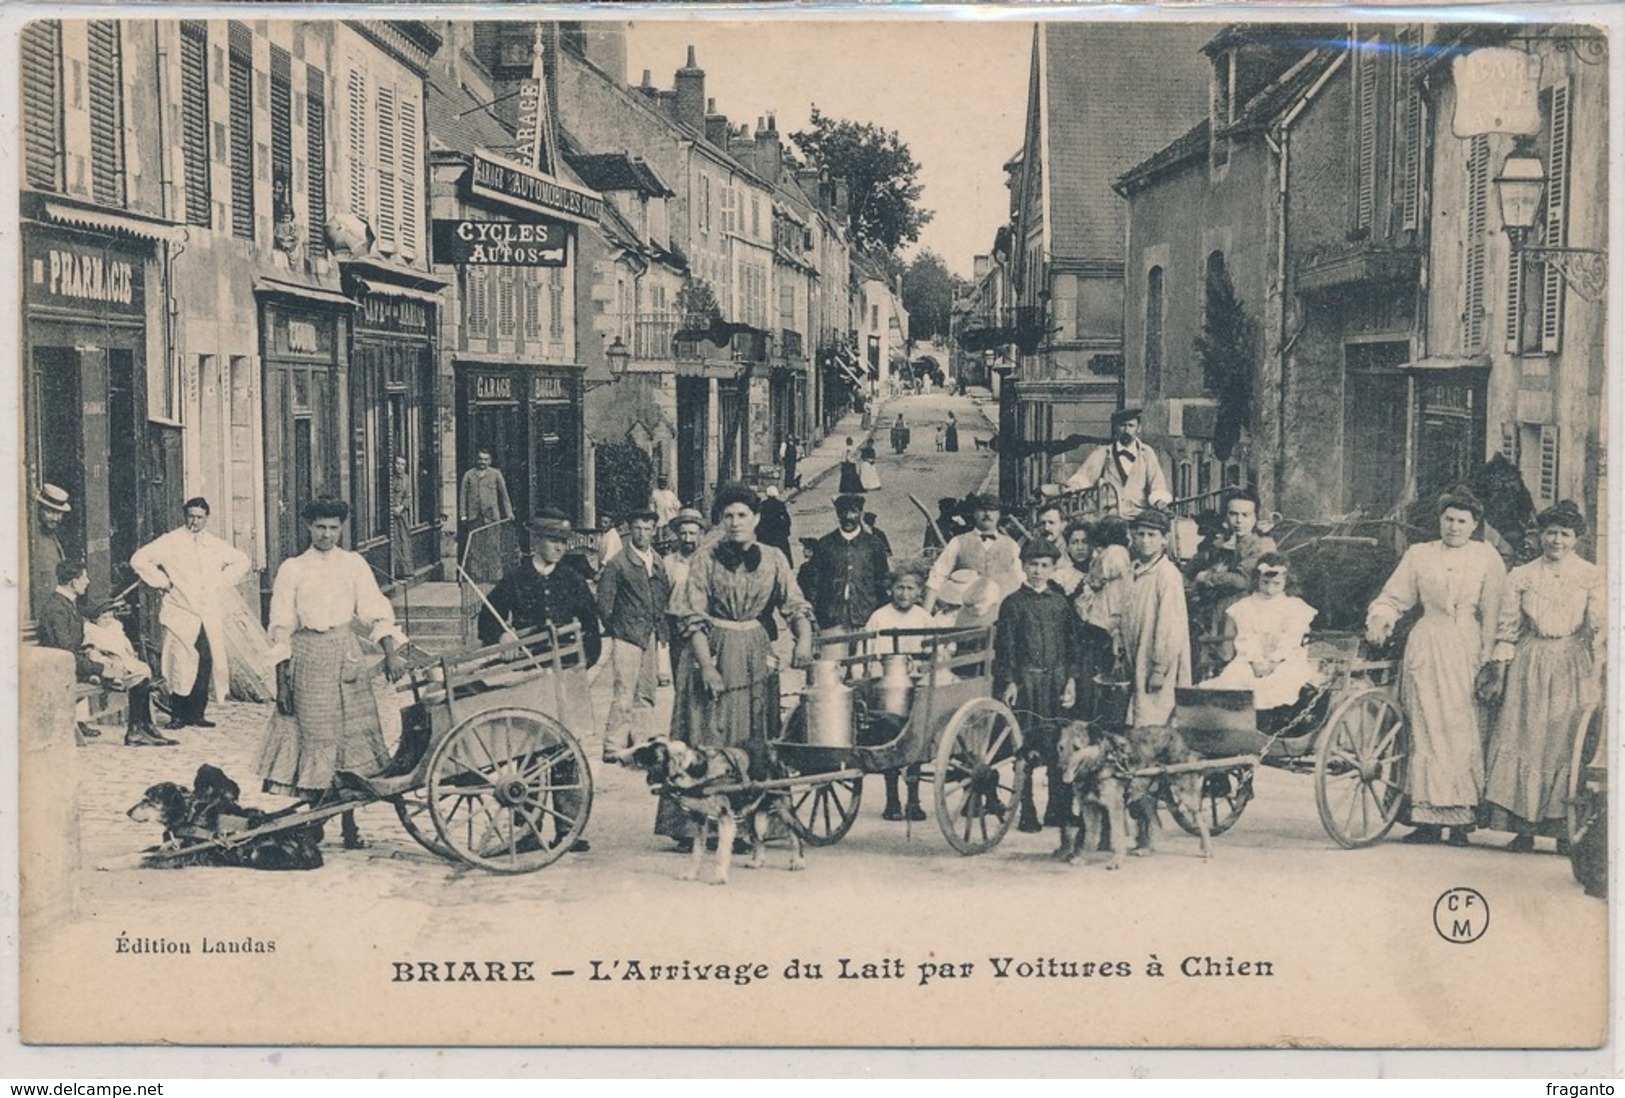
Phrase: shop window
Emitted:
{"points": [[241, 68], [105, 72], [42, 103], [195, 122], [316, 158], [281, 136]]}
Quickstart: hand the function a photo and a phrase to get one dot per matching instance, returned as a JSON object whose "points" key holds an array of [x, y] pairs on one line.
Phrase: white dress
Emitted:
{"points": [[1273, 631]]}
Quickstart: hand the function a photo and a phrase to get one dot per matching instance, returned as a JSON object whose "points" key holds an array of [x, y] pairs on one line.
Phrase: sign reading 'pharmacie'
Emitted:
{"points": [[82, 276], [501, 243], [522, 186]]}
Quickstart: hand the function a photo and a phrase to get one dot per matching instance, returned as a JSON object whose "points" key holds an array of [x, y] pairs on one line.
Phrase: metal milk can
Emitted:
{"points": [[828, 704], [895, 690]]}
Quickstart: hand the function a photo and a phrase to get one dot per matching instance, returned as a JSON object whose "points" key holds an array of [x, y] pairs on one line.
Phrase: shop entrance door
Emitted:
{"points": [[1375, 425], [691, 415]]}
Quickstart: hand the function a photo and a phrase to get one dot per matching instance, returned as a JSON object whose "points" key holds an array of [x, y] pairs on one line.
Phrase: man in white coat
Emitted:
{"points": [[193, 569], [1128, 465]]}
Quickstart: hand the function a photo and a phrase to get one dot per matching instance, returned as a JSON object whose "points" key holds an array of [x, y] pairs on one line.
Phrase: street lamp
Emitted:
{"points": [[619, 357], [1518, 191]]}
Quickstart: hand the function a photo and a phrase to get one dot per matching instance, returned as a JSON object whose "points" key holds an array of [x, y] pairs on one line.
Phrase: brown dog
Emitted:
{"points": [[706, 783], [1151, 748], [1092, 768]]}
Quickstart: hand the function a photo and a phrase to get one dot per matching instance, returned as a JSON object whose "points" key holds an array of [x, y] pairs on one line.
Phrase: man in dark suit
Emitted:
{"points": [[846, 578], [633, 591], [61, 626], [537, 593]]}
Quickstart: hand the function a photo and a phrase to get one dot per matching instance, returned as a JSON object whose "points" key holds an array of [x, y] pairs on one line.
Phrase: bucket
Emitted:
{"points": [[1112, 697]]}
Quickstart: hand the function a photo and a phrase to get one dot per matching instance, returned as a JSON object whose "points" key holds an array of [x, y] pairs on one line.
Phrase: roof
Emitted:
{"points": [[1191, 144], [461, 122], [619, 172]]}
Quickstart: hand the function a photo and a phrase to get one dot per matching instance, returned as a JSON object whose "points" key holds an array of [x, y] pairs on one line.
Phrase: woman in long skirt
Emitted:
{"points": [[726, 680], [850, 480], [1457, 582], [1547, 651], [950, 435]]}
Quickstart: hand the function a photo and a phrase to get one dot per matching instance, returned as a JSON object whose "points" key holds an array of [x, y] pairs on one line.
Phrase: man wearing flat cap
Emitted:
{"points": [[537, 592], [45, 550], [1155, 625], [983, 550], [1128, 465], [633, 592], [846, 578]]}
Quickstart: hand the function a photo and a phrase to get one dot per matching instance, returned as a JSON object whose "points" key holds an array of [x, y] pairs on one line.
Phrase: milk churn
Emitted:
{"points": [[895, 690], [828, 704]]}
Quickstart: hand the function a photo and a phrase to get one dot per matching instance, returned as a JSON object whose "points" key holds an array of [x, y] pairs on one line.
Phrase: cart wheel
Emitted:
{"points": [[509, 790], [978, 775], [1225, 794], [1360, 767], [823, 812], [413, 810], [1579, 809]]}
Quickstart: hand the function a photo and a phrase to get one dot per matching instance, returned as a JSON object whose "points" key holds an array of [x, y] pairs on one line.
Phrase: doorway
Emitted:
{"points": [[1375, 425]]}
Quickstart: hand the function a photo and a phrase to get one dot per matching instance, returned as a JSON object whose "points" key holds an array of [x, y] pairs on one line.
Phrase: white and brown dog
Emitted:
{"points": [[1093, 769], [717, 785]]}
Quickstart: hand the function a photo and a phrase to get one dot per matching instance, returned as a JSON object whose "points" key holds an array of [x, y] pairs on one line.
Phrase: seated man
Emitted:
{"points": [[106, 659]]}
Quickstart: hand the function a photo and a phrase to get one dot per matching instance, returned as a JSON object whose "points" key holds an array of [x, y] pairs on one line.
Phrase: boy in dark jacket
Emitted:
{"points": [[1035, 657]]}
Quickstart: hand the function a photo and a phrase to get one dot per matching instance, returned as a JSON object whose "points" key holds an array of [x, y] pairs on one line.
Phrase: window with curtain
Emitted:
{"points": [[195, 122], [105, 80], [240, 63]]}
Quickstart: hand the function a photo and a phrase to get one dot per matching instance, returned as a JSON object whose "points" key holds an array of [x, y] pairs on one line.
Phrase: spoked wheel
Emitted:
{"points": [[509, 790], [978, 775], [1225, 794], [413, 810], [1579, 808], [1360, 767], [823, 812]]}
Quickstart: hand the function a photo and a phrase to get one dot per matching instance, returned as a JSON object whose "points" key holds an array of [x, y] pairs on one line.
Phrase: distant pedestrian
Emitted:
{"points": [[850, 479], [868, 472], [788, 457], [950, 435], [773, 528], [400, 524], [899, 435], [483, 501], [939, 438], [664, 503]]}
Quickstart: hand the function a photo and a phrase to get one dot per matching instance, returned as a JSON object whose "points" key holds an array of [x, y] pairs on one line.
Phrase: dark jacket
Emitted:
{"points": [[631, 601], [526, 599], [773, 528], [61, 626], [846, 580]]}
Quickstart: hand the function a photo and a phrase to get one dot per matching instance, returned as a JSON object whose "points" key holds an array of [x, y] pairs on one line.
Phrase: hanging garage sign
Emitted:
{"points": [[501, 243]]}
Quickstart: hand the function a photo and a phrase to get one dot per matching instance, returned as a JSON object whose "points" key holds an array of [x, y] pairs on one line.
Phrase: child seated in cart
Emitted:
{"points": [[1270, 629], [906, 584]]}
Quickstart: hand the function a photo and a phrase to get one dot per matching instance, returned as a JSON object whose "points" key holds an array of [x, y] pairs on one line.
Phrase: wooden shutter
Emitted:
{"points": [[505, 302], [195, 122], [1478, 188], [1410, 127], [1366, 169], [411, 139], [1548, 463], [281, 134], [241, 64], [1511, 441], [386, 151], [316, 157], [105, 74], [358, 143], [476, 302], [42, 103], [1557, 206]]}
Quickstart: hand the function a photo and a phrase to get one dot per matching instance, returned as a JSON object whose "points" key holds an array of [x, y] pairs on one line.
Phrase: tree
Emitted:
{"points": [[1227, 348], [928, 295], [884, 211]]}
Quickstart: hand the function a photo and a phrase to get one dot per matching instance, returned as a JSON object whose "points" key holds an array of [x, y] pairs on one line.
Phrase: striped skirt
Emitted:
{"points": [[335, 725]]}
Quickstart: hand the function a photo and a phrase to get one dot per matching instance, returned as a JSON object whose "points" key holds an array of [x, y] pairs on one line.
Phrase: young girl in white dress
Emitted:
{"points": [[1270, 628]]}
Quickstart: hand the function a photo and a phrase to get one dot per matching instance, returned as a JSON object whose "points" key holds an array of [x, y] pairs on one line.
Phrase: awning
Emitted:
{"points": [[390, 289], [125, 224], [267, 285], [381, 271], [1449, 362]]}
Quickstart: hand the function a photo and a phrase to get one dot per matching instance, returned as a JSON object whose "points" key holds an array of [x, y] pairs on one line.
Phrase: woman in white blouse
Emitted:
{"points": [[326, 717]]}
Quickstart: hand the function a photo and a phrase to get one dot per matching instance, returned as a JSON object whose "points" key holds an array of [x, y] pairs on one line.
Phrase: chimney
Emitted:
{"points": [[769, 156], [716, 125], [843, 196], [690, 89]]}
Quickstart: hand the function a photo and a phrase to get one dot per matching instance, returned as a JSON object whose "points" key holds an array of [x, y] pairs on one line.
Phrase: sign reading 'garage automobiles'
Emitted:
{"points": [[501, 243]]}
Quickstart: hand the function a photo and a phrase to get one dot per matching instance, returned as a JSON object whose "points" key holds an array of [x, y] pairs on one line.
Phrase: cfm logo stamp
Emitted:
{"points": [[1461, 915]]}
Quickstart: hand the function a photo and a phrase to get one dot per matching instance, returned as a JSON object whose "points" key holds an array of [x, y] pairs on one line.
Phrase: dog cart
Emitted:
{"points": [[1588, 801], [1351, 735], [879, 701], [483, 773]]}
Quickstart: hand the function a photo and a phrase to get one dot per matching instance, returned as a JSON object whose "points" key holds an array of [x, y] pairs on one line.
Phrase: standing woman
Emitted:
{"points": [[326, 716], [851, 482], [1457, 582], [400, 529], [950, 435], [1551, 637], [726, 680], [899, 435]]}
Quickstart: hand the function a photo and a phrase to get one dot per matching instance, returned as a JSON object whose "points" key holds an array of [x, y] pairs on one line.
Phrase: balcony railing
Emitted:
{"points": [[652, 336]]}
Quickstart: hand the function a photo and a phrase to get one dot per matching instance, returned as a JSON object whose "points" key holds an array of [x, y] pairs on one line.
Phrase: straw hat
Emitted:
{"points": [[53, 498]]}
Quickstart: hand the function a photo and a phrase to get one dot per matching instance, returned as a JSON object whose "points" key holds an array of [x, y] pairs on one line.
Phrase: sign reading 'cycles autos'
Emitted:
{"points": [[501, 243]]}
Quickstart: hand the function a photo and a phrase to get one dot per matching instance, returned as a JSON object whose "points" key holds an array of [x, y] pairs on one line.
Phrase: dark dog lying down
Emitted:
{"points": [[189, 813], [690, 775], [1105, 791]]}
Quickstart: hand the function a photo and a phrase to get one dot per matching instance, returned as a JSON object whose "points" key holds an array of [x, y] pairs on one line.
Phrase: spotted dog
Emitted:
{"points": [[704, 782], [1095, 769]]}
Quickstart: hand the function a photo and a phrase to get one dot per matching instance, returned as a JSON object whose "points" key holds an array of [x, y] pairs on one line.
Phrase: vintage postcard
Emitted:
{"points": [[1048, 532]]}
